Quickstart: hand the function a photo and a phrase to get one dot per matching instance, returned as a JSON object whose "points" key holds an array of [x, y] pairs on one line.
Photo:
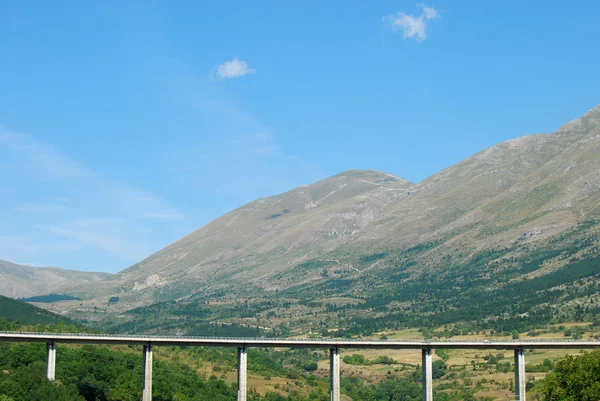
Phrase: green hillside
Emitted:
{"points": [[96, 373], [92, 373], [502, 290], [50, 298], [17, 311]]}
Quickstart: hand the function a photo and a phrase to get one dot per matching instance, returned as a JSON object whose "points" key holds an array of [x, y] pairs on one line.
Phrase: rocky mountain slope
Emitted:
{"points": [[522, 209], [524, 189], [18, 281]]}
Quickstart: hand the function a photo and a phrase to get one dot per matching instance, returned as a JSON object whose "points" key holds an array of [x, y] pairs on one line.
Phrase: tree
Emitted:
{"points": [[394, 389], [311, 367], [28, 383], [438, 369], [574, 379]]}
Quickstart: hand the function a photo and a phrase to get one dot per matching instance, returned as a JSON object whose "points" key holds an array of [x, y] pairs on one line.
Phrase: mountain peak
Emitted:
{"points": [[374, 175]]}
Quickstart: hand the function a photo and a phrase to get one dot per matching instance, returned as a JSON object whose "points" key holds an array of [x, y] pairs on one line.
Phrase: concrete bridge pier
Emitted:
{"points": [[334, 373], [147, 385], [242, 378], [427, 372], [51, 361], [520, 382]]}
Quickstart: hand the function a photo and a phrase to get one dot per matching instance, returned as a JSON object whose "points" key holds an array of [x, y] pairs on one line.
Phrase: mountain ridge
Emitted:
{"points": [[18, 281], [280, 215]]}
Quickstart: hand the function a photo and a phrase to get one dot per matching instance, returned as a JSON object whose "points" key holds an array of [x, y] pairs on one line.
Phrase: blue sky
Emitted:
{"points": [[126, 125]]}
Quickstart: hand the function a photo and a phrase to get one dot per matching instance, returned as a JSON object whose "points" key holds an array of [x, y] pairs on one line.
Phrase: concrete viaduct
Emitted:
{"points": [[334, 346]]}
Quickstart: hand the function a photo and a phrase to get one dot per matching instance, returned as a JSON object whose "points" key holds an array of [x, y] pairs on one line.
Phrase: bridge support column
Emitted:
{"points": [[51, 361], [427, 374], [147, 389], [334, 373], [520, 374], [242, 378]]}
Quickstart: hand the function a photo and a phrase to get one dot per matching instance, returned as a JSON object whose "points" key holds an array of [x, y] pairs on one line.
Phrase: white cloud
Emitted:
{"points": [[37, 160], [413, 27], [429, 12], [54, 206], [234, 69], [40, 156], [41, 208], [114, 235]]}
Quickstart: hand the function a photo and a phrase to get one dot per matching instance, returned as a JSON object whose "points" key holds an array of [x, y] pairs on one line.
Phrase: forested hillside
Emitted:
{"points": [[12, 310], [95, 373], [92, 373]]}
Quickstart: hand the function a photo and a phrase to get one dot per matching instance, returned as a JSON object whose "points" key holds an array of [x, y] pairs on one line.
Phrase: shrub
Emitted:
{"points": [[311, 367]]}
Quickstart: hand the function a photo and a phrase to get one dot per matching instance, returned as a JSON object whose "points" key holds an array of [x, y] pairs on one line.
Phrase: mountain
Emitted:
{"points": [[17, 281], [265, 237], [525, 210]]}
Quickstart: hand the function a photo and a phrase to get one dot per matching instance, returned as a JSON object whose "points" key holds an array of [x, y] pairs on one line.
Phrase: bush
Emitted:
{"points": [[355, 359], [311, 367]]}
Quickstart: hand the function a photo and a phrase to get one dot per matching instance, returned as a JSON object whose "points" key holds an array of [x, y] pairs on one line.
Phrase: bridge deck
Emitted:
{"points": [[295, 343]]}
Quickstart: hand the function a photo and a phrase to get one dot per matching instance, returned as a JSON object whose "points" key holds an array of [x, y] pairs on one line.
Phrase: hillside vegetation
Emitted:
{"points": [[91, 373], [22, 313], [114, 373], [194, 373], [575, 378]]}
